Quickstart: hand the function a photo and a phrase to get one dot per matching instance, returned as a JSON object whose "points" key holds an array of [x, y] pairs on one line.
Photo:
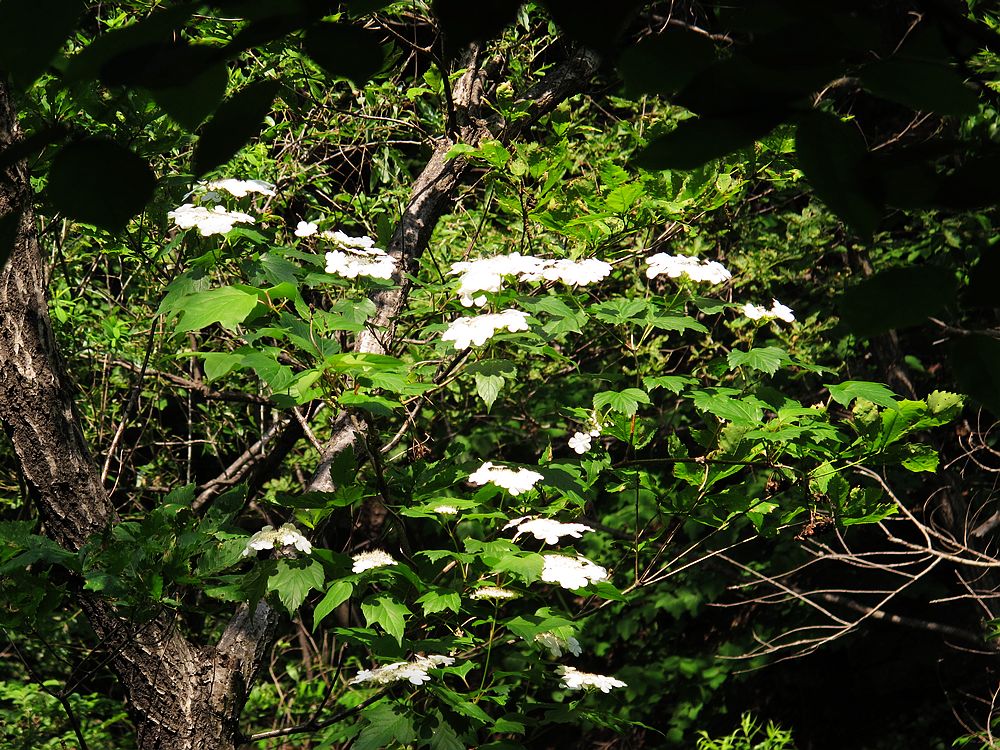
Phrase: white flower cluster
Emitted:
{"points": [[493, 592], [676, 266], [215, 220], [571, 572], [574, 679], [487, 274], [375, 558], [357, 256], [414, 671], [306, 229], [547, 530], [445, 510], [466, 332], [556, 644], [269, 538], [515, 482], [778, 310], [236, 188]]}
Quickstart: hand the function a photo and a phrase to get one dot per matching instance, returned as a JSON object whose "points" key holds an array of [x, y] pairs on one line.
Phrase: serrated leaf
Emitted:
{"points": [[337, 594], [846, 392], [225, 305], [387, 613], [438, 600], [625, 402], [763, 359], [98, 182], [488, 387], [386, 725], [294, 579]]}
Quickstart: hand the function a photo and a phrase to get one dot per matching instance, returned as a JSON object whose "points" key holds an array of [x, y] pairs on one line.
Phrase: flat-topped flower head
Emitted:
{"points": [[676, 266], [493, 592], [305, 229], [489, 274], [556, 644], [346, 241], [215, 220], [284, 536], [574, 679], [413, 671], [515, 482], [571, 572], [581, 442], [547, 530], [238, 188], [445, 510], [353, 262], [466, 332], [374, 558], [778, 310]]}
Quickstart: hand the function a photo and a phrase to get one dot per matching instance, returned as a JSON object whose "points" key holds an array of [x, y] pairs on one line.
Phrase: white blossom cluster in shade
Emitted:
{"points": [[493, 592], [571, 572], [445, 510], [236, 188], [676, 266], [476, 331], [414, 671], [215, 220], [374, 558], [269, 538], [556, 644], [547, 530], [515, 482], [488, 274], [581, 442], [778, 310], [574, 679]]}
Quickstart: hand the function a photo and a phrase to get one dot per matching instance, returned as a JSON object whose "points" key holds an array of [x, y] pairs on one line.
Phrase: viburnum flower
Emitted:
{"points": [[345, 240], [466, 332], [676, 266], [352, 262], [445, 510], [493, 592], [581, 442], [305, 229], [574, 679], [269, 538], [515, 482], [414, 671], [215, 220], [556, 644], [487, 274], [239, 188], [375, 558], [778, 310], [571, 572], [547, 530]]}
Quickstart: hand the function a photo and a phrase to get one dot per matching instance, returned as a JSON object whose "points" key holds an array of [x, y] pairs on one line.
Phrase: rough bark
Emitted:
{"points": [[183, 696]]}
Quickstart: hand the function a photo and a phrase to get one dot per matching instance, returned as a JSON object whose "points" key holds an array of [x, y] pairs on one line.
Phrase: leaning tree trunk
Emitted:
{"points": [[182, 696]]}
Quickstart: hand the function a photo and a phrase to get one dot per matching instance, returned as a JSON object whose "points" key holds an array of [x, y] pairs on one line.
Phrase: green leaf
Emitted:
{"points": [[921, 84], [897, 298], [438, 600], [386, 612], [31, 34], [846, 392], [239, 119], [98, 182], [920, 457], [834, 157], [346, 51], [673, 383], [626, 402], [488, 387], [445, 737], [294, 579], [748, 410], [385, 726], [525, 565], [226, 305], [337, 594], [764, 359], [218, 364]]}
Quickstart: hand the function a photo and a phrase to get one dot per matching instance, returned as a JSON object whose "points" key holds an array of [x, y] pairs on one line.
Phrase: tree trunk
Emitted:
{"points": [[182, 696]]}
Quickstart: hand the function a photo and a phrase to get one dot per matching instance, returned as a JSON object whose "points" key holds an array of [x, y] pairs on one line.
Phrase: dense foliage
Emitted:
{"points": [[537, 376]]}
